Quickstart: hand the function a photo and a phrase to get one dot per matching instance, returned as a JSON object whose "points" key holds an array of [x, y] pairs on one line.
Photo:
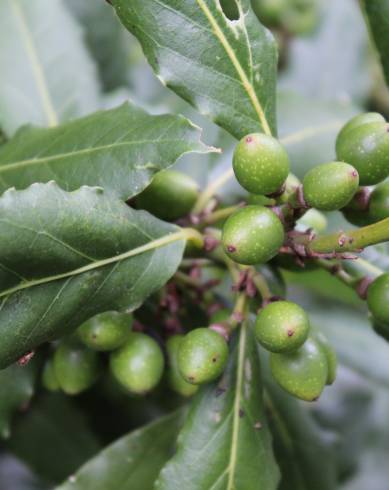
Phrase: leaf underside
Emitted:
{"points": [[47, 75], [46, 232], [119, 149], [226, 69]]}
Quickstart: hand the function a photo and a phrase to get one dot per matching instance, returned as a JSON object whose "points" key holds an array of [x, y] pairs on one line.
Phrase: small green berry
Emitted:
{"points": [[76, 367], [252, 235], [302, 373], [366, 147], [175, 379], [49, 379], [330, 353], [355, 122], [330, 186], [282, 326], [257, 199], [170, 196], [269, 11], [312, 220], [378, 299], [356, 211], [106, 331], [138, 364], [379, 203], [202, 356], [382, 329], [261, 164]]}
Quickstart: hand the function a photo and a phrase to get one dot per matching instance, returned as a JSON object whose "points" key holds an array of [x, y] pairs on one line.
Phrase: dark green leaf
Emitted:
{"points": [[46, 73], [303, 450], [225, 443], [131, 463], [120, 150], [65, 440], [17, 385], [68, 256], [226, 69], [377, 15]]}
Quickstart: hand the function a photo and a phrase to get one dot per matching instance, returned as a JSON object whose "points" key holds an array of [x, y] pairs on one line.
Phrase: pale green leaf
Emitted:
{"points": [[225, 443], [226, 69], [68, 256], [131, 463], [377, 16], [47, 75], [119, 149]]}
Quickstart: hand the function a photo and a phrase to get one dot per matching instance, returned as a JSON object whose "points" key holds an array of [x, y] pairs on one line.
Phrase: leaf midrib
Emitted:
{"points": [[36, 66], [5, 167], [238, 67], [160, 242]]}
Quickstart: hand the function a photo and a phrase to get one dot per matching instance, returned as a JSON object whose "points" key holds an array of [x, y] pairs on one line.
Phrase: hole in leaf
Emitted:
{"points": [[230, 9]]}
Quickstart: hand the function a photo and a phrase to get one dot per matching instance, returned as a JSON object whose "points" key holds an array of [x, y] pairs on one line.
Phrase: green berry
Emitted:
{"points": [[355, 122], [76, 367], [202, 356], [257, 199], [378, 299], [302, 373], [312, 220], [261, 164], [379, 203], [175, 379], [138, 364], [382, 329], [282, 326], [356, 211], [106, 331], [366, 147], [269, 11], [330, 353], [49, 379], [171, 195], [252, 235], [330, 186]]}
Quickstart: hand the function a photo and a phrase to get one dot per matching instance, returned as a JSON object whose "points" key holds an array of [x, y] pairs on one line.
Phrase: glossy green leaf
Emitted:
{"points": [[68, 256], [226, 69], [47, 75], [225, 443], [17, 384], [119, 149], [377, 16], [56, 422], [302, 449], [131, 463]]}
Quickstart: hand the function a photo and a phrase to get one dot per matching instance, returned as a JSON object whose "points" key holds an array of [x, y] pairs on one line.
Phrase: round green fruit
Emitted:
{"points": [[330, 186], [381, 329], [106, 331], [355, 122], [202, 356], [379, 203], [302, 373], [378, 299], [330, 353], [291, 185], [175, 379], [282, 326], [76, 367], [366, 147], [252, 235], [261, 164], [257, 199], [49, 379], [138, 364], [170, 196], [269, 11]]}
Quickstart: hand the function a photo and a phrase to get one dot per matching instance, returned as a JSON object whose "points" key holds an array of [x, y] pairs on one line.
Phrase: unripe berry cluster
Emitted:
{"points": [[301, 360]]}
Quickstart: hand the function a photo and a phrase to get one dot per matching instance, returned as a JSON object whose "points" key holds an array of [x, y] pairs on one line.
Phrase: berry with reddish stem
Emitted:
{"points": [[174, 377]]}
